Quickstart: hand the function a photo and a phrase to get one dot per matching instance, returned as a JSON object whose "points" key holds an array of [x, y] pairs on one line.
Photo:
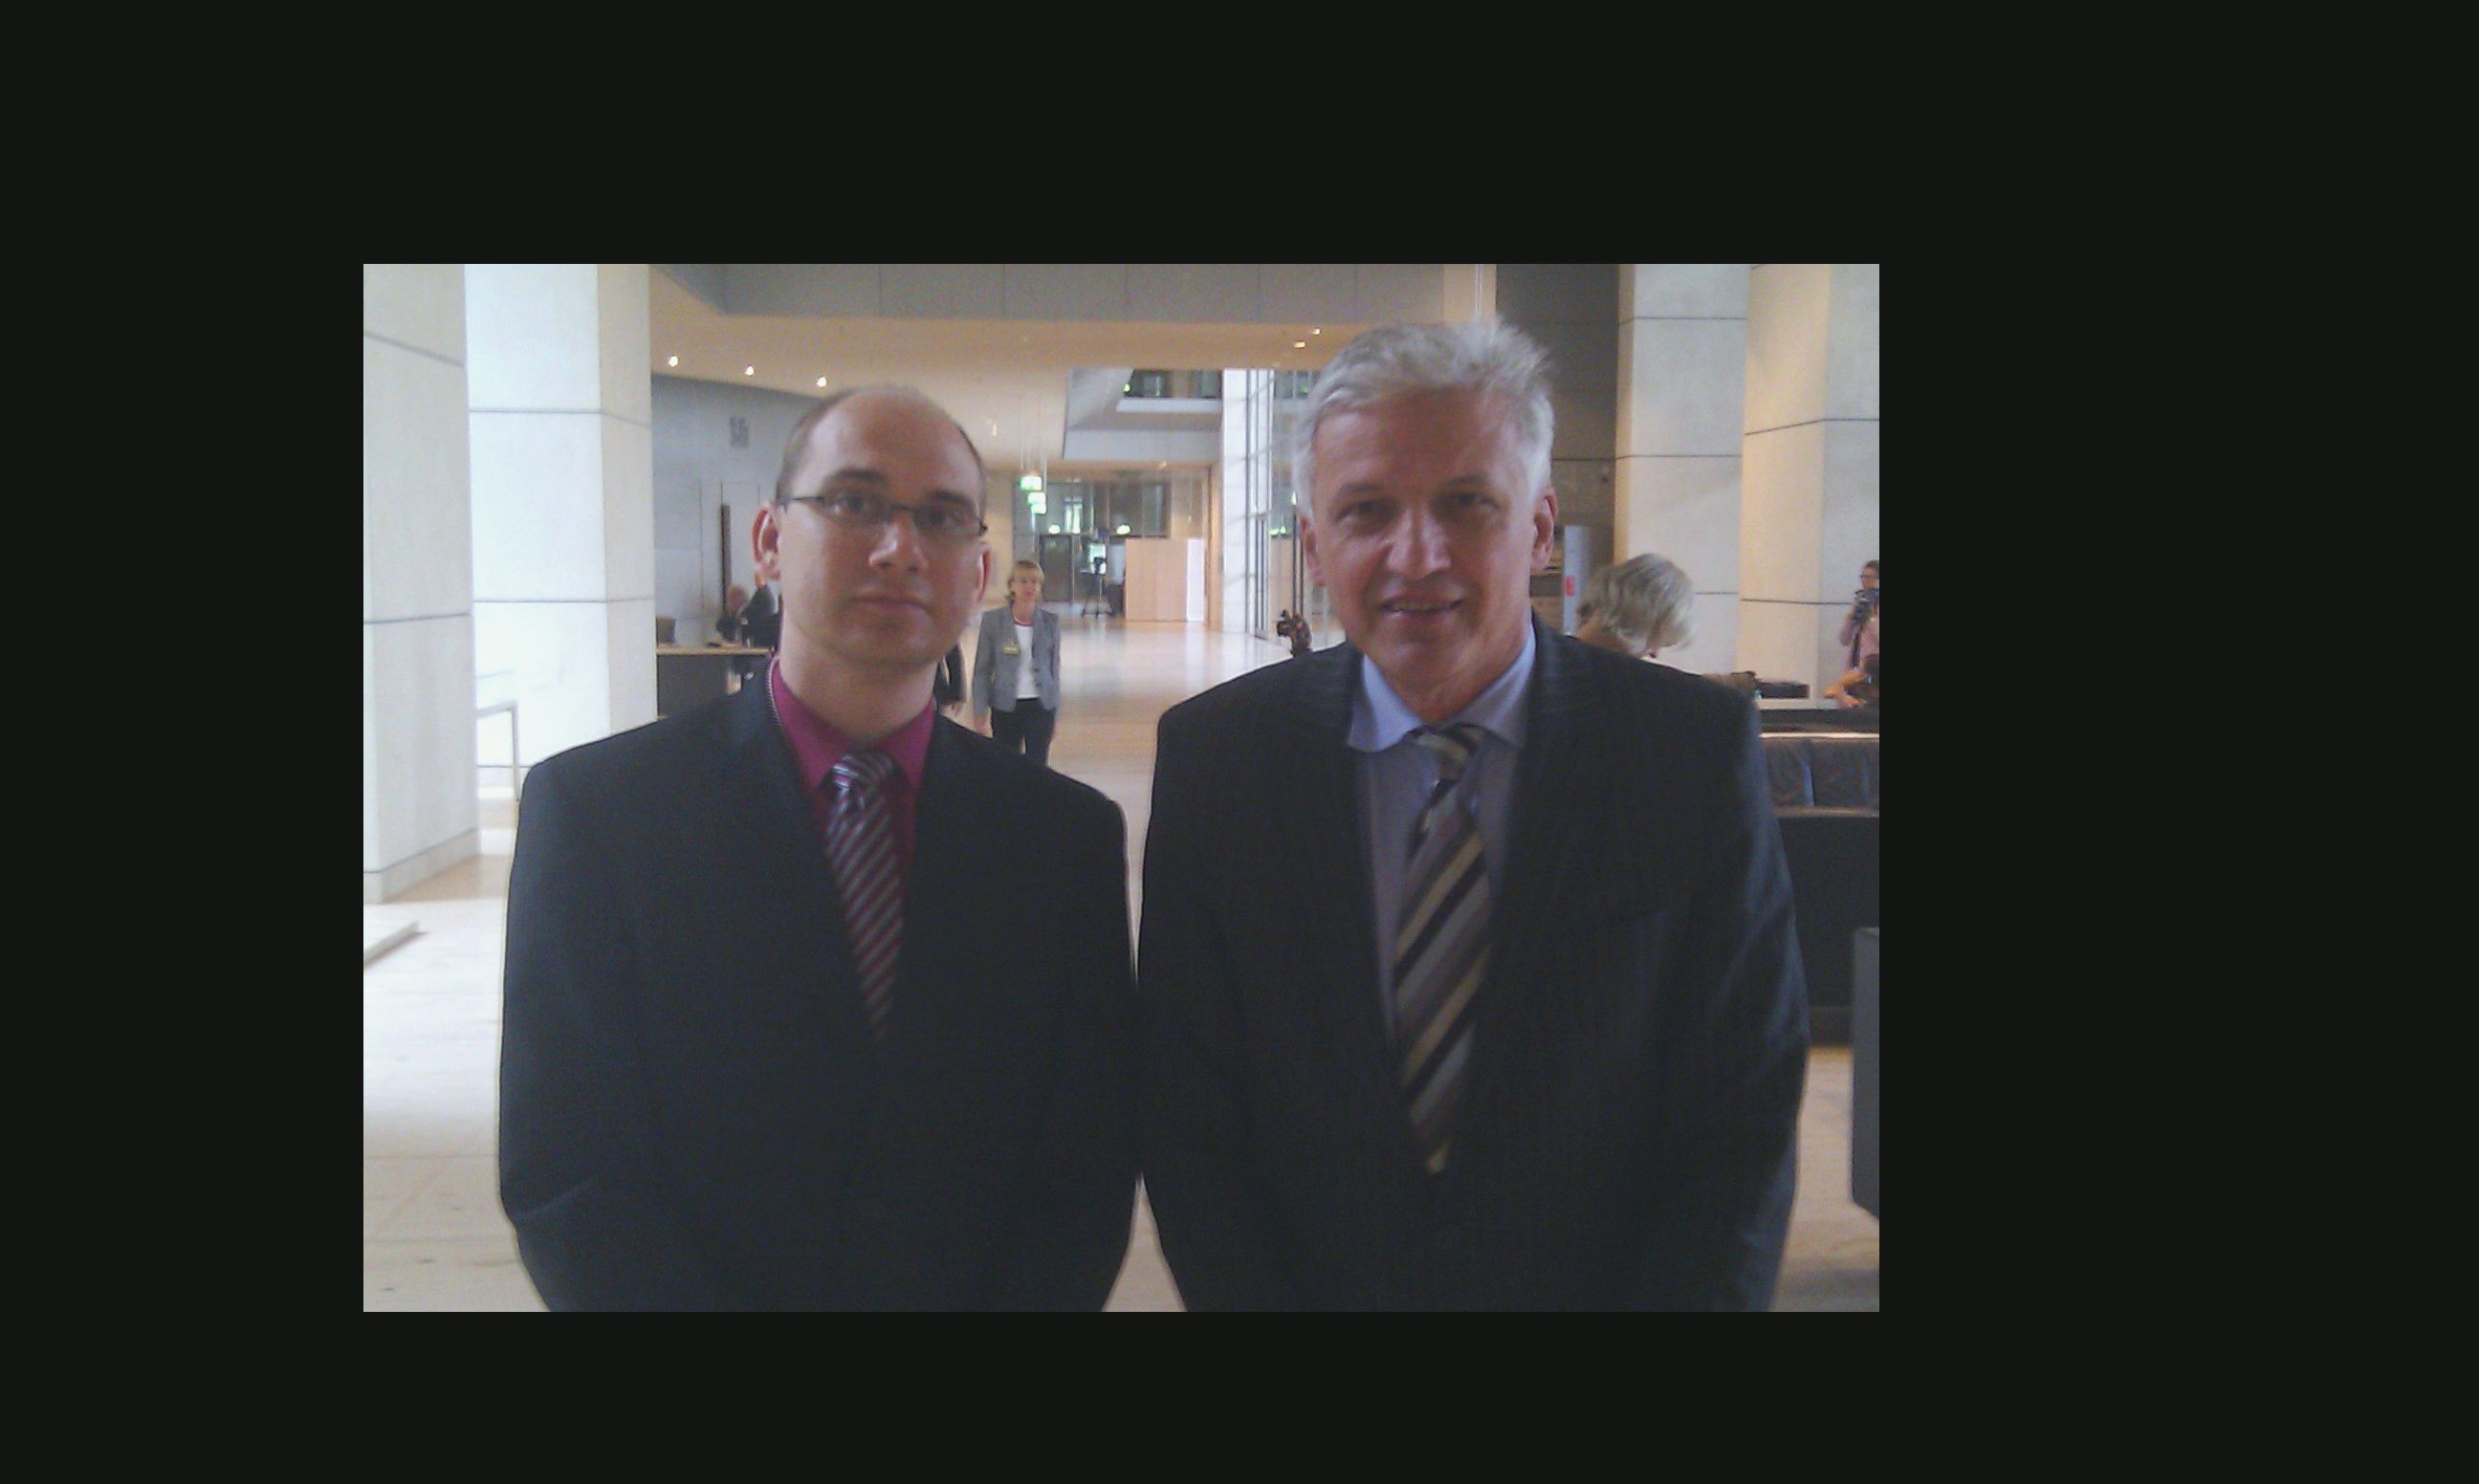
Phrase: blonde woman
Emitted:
{"points": [[1638, 607], [1015, 669]]}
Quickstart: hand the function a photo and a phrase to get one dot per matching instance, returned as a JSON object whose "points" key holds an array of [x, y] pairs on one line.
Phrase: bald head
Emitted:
{"points": [[797, 445]]}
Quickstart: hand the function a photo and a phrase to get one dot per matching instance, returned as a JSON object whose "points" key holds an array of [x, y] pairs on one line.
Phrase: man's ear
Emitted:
{"points": [[1309, 551], [1544, 529], [765, 541]]}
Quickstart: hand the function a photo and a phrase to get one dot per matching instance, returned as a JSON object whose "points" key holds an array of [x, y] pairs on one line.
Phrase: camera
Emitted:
{"points": [[1864, 601]]}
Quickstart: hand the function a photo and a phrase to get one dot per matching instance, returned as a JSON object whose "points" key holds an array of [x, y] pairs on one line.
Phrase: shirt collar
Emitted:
{"points": [[817, 747], [1379, 718]]}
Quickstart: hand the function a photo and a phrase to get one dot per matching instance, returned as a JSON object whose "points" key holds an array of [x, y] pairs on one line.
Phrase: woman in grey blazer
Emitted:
{"points": [[1015, 668]]}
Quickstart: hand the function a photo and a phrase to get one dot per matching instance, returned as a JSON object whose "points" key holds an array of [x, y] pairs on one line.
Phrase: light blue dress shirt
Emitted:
{"points": [[1397, 774]]}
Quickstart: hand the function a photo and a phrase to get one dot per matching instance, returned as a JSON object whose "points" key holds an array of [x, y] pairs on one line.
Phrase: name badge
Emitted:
{"points": [[1010, 648]]}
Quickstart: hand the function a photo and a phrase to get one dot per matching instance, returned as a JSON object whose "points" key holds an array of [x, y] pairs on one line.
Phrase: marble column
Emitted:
{"points": [[1247, 488], [420, 809], [1469, 292], [562, 428], [1809, 507], [1682, 369], [1571, 309]]}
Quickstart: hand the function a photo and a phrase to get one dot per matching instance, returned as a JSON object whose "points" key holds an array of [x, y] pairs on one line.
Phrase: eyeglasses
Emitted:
{"points": [[949, 523]]}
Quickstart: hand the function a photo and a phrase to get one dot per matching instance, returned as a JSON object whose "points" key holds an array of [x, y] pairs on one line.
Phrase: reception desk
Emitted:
{"points": [[688, 676]]}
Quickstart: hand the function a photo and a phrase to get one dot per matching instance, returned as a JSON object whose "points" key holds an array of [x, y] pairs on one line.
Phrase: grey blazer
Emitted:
{"points": [[994, 674]]}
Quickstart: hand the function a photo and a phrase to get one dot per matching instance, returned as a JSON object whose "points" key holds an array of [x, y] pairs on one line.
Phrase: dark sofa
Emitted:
{"points": [[1824, 788]]}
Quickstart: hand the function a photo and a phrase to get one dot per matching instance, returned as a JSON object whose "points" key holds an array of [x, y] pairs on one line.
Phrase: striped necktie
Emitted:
{"points": [[861, 846], [1441, 948]]}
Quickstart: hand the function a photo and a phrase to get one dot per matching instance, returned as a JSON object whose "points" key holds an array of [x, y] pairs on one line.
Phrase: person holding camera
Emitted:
{"points": [[1860, 625]]}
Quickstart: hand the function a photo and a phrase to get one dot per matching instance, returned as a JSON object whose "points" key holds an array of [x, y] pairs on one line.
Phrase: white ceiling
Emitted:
{"points": [[1010, 376]]}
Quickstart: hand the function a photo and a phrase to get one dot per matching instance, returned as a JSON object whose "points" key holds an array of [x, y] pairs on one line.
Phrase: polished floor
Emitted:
{"points": [[433, 1237]]}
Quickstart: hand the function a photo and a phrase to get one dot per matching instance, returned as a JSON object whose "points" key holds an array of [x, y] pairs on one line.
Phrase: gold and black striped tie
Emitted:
{"points": [[1441, 948]]}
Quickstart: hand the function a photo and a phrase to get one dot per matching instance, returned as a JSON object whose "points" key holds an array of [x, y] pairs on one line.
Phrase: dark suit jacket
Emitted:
{"points": [[692, 1111], [1627, 1132]]}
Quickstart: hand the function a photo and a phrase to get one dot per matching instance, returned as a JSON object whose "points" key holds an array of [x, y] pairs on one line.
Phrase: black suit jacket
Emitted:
{"points": [[693, 1114], [1628, 1132]]}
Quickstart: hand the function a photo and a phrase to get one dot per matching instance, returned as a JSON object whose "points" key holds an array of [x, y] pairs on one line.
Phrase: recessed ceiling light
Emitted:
{"points": [[676, 359], [822, 381], [749, 370], [1123, 530], [1319, 330], [1299, 345], [1054, 530]]}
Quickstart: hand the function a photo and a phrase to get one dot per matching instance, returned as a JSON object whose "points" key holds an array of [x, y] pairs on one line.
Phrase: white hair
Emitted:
{"points": [[1487, 356]]}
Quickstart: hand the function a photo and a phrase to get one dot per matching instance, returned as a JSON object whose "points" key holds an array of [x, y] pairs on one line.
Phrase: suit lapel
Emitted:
{"points": [[954, 865], [1553, 813], [1325, 846]]}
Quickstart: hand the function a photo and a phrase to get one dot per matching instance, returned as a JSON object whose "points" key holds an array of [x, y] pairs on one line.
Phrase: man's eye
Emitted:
{"points": [[853, 503], [943, 518]]}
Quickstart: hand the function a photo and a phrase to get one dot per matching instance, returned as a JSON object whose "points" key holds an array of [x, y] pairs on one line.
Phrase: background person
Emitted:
{"points": [[761, 622], [1856, 688], [734, 625], [947, 690], [1294, 626], [1015, 668], [1858, 626], [1638, 607], [848, 1087]]}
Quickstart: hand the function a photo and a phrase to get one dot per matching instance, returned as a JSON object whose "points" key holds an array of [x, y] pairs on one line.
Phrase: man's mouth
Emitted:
{"points": [[1417, 607]]}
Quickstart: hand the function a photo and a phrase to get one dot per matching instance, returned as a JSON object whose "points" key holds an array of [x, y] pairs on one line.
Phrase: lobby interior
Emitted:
{"points": [[1766, 494]]}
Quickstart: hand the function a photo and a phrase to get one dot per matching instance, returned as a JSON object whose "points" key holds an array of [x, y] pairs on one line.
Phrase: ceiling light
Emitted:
{"points": [[1054, 530], [1299, 345], [1123, 530], [822, 381], [1319, 330], [749, 370], [676, 359]]}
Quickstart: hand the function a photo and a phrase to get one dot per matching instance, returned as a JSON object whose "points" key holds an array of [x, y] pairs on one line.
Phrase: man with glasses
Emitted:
{"points": [[834, 1091]]}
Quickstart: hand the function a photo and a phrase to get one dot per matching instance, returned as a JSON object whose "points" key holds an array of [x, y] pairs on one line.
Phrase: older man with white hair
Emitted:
{"points": [[1467, 972]]}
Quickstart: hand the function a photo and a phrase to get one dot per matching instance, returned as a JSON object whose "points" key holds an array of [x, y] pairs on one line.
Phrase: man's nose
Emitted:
{"points": [[899, 542], [1419, 546]]}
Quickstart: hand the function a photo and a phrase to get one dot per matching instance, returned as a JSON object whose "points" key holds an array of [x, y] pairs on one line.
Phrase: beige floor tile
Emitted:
{"points": [[460, 1202], [467, 1275], [387, 1184]]}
